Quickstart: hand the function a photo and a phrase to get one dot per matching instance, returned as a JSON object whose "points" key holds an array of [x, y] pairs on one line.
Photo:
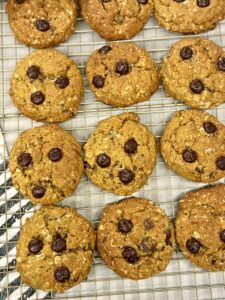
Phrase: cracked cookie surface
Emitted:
{"points": [[189, 16], [193, 145], [47, 86], [122, 74], [200, 227], [116, 19], [120, 154], [42, 23], [55, 249], [46, 164], [135, 238], [194, 73]]}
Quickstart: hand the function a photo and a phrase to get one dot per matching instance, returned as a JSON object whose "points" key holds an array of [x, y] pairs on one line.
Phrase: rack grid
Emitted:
{"points": [[181, 280]]}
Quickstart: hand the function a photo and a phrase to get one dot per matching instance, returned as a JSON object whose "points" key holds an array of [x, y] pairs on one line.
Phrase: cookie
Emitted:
{"points": [[42, 23], [135, 238], [122, 74], [116, 20], [120, 154], [55, 249], [193, 145], [47, 86], [189, 16], [200, 227], [46, 164], [194, 72]]}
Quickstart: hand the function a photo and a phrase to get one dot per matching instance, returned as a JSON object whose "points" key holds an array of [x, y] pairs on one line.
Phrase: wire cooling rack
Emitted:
{"points": [[181, 280]]}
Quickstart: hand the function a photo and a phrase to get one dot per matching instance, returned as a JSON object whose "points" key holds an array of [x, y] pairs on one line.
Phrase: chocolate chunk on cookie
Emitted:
{"points": [[120, 154], [55, 249], [41, 23], [200, 227], [193, 73], [47, 86], [193, 145], [116, 20], [189, 16], [46, 164], [135, 238], [123, 76]]}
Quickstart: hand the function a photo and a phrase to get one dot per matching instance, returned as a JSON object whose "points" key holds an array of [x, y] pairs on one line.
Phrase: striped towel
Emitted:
{"points": [[13, 211]]}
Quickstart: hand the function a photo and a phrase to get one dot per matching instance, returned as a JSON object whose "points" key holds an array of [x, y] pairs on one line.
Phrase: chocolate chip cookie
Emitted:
{"points": [[200, 227], [135, 238], [116, 20], [122, 74], [120, 154], [194, 72], [55, 249], [46, 164], [189, 16], [47, 86], [42, 23], [193, 145]]}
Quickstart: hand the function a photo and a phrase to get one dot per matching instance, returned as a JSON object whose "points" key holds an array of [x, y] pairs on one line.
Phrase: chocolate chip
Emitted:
{"points": [[37, 98], [148, 224], [222, 236], [126, 176], [193, 245], [20, 1], [220, 163], [103, 160], [189, 156], [62, 82], [130, 255], [55, 154], [125, 225], [186, 53], [130, 146], [196, 86], [42, 25], [148, 245], [209, 127], [35, 246], [105, 49], [179, 0], [143, 2], [33, 72], [62, 274], [203, 3], [221, 64], [38, 191], [58, 244], [122, 67], [24, 159], [98, 81], [168, 237], [106, 0]]}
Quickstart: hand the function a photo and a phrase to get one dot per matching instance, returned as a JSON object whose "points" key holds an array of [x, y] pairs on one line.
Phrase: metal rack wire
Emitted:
{"points": [[181, 280]]}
